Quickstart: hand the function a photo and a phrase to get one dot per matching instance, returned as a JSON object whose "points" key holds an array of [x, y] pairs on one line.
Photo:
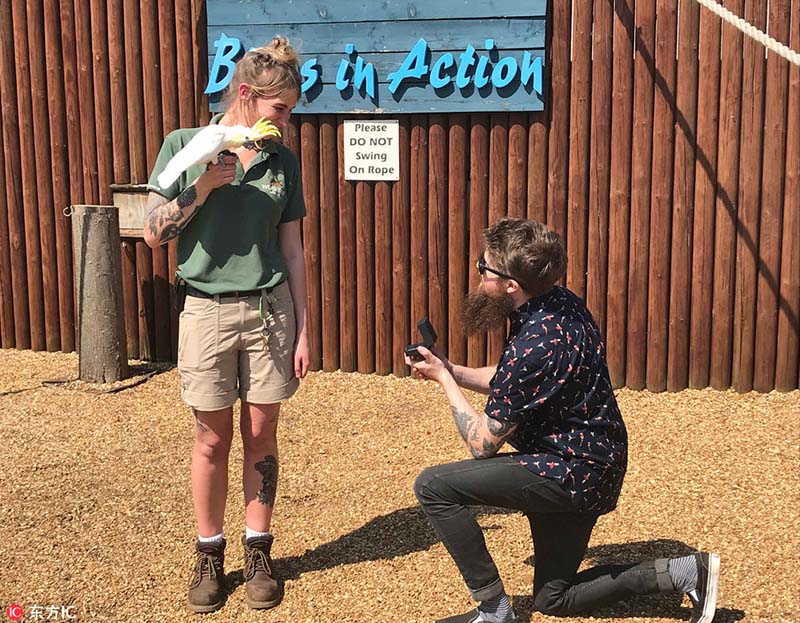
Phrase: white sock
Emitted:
{"points": [[249, 534], [217, 538]]}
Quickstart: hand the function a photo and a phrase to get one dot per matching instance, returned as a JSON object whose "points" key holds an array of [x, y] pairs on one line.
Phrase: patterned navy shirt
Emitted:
{"points": [[553, 382]]}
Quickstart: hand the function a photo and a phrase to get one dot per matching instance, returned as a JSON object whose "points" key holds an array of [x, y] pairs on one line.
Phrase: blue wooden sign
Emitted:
{"points": [[392, 57]]}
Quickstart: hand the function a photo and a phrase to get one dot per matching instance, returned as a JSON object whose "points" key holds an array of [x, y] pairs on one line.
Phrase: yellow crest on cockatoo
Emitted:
{"points": [[206, 145]]}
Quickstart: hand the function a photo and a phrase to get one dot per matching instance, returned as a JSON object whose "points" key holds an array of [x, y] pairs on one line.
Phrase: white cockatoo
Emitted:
{"points": [[206, 145]]}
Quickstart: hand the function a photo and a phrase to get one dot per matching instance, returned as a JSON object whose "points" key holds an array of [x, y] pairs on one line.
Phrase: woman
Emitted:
{"points": [[243, 327]]}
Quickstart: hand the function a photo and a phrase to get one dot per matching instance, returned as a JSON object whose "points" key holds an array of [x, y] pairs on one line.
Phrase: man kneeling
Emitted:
{"points": [[550, 397]]}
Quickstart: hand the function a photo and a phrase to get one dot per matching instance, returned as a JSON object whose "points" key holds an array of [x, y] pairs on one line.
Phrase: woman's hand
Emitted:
{"points": [[302, 355], [216, 175]]}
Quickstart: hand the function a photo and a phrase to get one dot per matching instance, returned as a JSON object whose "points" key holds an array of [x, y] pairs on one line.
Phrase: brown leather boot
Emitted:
{"points": [[207, 586], [262, 591]]}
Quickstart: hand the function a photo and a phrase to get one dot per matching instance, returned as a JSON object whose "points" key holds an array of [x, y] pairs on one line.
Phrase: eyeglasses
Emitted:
{"points": [[483, 268]]}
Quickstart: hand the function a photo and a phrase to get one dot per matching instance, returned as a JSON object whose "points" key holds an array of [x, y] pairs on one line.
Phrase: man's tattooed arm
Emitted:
{"points": [[166, 218], [484, 435]]}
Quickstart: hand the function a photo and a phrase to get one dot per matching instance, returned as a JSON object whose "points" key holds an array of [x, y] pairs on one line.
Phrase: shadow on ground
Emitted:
{"points": [[407, 530]]}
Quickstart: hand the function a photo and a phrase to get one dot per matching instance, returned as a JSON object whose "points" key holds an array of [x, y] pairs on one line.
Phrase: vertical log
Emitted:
{"points": [[12, 186], [683, 198], [478, 217], [744, 308], [644, 70], [769, 246], [401, 245], [60, 174], [291, 136], [185, 64], [498, 206], [131, 304], [172, 263], [135, 93], [44, 182], [517, 164], [437, 227], [620, 191], [7, 339], [661, 197], [168, 65], [73, 119], [312, 224], [788, 355], [537, 167], [579, 131], [457, 235], [347, 265], [599, 162], [199, 38], [161, 308], [144, 295], [118, 97], [153, 123], [98, 284], [28, 177], [102, 99], [419, 220], [702, 272], [726, 204], [83, 48], [365, 276], [383, 278], [329, 241], [558, 158]]}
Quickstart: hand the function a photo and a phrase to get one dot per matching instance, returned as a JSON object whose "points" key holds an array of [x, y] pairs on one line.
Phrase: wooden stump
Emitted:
{"points": [[98, 281]]}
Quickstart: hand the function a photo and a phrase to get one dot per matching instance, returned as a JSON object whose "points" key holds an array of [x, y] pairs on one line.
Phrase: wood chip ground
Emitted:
{"points": [[95, 505]]}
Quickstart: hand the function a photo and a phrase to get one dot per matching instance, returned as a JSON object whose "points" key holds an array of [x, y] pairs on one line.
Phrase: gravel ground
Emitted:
{"points": [[96, 507]]}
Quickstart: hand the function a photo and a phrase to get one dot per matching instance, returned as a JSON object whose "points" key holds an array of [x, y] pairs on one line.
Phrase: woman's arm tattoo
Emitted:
{"points": [[166, 220]]}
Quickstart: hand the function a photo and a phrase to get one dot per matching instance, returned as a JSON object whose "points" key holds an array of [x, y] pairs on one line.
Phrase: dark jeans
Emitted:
{"points": [[560, 535]]}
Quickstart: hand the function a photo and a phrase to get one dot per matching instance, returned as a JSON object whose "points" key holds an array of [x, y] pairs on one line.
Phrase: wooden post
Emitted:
{"points": [[98, 279]]}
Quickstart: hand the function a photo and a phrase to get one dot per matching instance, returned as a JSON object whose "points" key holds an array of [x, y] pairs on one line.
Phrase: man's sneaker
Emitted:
{"points": [[262, 591], [207, 586], [704, 596], [474, 616]]}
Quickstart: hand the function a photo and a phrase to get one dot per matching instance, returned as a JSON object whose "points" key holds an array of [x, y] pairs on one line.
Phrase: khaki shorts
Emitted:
{"points": [[224, 352]]}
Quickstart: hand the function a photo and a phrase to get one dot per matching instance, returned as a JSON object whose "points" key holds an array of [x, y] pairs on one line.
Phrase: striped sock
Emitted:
{"points": [[683, 572], [496, 610]]}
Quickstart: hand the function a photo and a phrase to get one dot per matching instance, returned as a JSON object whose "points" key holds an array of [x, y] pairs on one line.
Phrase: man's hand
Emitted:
{"points": [[433, 366]]}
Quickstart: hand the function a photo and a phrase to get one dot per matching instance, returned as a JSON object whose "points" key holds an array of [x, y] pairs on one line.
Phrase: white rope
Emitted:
{"points": [[769, 42]]}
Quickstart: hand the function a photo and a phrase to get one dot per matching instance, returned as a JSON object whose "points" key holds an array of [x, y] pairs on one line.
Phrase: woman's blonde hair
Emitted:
{"points": [[270, 70]]}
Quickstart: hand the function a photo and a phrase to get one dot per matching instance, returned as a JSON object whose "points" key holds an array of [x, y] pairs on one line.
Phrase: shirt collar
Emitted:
{"points": [[524, 311]]}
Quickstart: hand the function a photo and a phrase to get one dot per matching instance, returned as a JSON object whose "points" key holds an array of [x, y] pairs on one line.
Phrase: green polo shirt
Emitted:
{"points": [[231, 243]]}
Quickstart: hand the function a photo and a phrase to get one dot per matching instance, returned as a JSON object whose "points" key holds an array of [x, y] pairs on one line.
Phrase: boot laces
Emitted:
{"points": [[203, 568], [256, 561]]}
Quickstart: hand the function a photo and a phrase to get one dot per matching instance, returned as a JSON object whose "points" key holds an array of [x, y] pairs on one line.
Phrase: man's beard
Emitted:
{"points": [[483, 312]]}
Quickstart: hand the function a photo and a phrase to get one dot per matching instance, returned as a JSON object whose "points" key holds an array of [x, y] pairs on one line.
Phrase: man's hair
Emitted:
{"points": [[527, 251]]}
